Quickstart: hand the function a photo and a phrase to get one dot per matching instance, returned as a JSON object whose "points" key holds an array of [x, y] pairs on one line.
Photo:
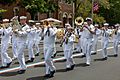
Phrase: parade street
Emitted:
{"points": [[98, 70]]}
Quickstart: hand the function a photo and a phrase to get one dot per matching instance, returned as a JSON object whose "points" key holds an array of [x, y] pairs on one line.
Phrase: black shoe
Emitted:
{"points": [[37, 54], [83, 56], [115, 55], [104, 58], [52, 74], [47, 75], [94, 53], [8, 64], [21, 71], [87, 64], [29, 61], [72, 67], [54, 55], [68, 69], [2, 67], [32, 59], [75, 48]]}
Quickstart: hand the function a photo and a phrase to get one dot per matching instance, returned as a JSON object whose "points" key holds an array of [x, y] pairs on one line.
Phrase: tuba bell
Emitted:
{"points": [[79, 21], [60, 33]]}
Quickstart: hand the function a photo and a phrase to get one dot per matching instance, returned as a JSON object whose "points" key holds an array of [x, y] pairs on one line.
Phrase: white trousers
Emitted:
{"points": [[78, 46], [88, 47], [30, 49], [104, 46], [69, 58], [21, 58], [83, 45], [37, 49], [95, 44], [48, 52], [14, 48], [4, 56], [115, 44]]}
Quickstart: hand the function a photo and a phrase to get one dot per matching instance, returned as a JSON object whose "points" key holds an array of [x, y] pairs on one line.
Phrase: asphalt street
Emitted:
{"points": [[98, 70]]}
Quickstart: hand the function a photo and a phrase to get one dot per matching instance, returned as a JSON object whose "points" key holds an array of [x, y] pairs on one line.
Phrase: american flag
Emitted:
{"points": [[95, 7]]}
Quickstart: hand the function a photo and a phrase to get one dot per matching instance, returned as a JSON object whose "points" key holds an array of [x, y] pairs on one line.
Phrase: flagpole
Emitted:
{"points": [[92, 10]]}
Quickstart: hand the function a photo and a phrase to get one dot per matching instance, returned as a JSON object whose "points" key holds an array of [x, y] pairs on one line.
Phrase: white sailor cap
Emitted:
{"points": [[96, 25], [106, 24], [23, 17], [37, 23], [5, 20], [88, 19], [117, 25], [85, 23], [67, 24], [31, 21], [70, 28]]}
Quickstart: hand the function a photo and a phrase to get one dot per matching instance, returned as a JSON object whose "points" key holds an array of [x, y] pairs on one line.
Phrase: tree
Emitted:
{"points": [[42, 6], [83, 8], [112, 15]]}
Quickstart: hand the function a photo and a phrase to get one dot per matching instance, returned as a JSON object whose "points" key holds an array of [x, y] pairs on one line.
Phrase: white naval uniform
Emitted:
{"points": [[116, 41], [4, 45], [49, 42], [95, 38], [22, 37], [37, 40], [88, 42], [14, 45], [68, 50], [31, 37], [105, 41], [78, 45], [82, 41]]}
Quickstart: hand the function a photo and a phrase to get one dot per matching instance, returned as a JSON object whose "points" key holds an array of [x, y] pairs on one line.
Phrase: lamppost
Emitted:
{"points": [[73, 19]]}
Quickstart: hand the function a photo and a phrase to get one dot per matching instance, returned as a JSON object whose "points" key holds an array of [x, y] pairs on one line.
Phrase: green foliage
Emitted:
{"points": [[42, 6], [2, 10], [112, 15]]}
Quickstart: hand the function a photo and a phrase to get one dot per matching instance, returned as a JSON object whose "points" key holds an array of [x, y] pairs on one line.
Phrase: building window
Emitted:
{"points": [[60, 16], [65, 17], [16, 11], [70, 18]]}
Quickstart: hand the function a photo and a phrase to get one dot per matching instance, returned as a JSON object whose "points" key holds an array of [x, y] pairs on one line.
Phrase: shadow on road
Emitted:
{"points": [[100, 59], [61, 70], [7, 74], [37, 78], [81, 65]]}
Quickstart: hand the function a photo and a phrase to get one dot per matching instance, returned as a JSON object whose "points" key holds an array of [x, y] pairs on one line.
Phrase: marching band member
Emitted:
{"points": [[78, 35], [116, 39], [37, 38], [31, 37], [89, 31], [49, 41], [54, 27], [14, 39], [95, 37], [105, 40], [22, 37], [68, 44], [82, 39], [5, 32]]}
